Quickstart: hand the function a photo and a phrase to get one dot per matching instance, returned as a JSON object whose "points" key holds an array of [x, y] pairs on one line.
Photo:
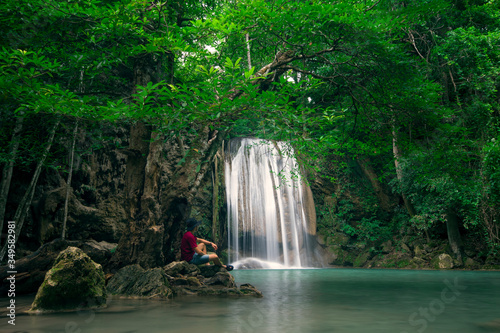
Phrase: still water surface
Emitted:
{"points": [[304, 300]]}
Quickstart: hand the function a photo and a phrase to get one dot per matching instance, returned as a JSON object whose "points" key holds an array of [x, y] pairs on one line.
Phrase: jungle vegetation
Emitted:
{"points": [[407, 91]]}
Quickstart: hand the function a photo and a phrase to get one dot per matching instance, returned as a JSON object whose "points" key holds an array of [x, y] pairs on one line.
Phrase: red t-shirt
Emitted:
{"points": [[188, 244]]}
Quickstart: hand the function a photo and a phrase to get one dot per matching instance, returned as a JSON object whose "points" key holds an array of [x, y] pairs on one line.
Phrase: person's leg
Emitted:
{"points": [[200, 259], [216, 260], [202, 247]]}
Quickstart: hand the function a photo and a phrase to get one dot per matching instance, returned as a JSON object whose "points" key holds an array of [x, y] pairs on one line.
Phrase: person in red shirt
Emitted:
{"points": [[194, 250]]}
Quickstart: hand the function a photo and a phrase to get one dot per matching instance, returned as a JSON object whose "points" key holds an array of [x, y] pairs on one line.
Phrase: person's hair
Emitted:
{"points": [[192, 223]]}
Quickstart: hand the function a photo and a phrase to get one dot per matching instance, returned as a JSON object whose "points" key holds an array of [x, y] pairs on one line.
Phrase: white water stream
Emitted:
{"points": [[268, 225]]}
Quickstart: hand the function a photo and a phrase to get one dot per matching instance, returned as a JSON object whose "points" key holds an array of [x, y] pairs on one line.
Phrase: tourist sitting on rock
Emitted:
{"points": [[195, 253]]}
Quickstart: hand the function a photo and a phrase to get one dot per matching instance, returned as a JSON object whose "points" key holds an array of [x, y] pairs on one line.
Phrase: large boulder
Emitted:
{"points": [[442, 261], [100, 252], [74, 282], [31, 270], [135, 281]]}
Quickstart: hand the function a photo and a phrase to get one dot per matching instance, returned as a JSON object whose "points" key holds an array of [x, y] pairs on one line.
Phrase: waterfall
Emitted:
{"points": [[271, 218]]}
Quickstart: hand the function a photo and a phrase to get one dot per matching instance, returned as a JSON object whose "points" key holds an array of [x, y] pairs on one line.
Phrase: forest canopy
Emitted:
{"points": [[405, 90]]}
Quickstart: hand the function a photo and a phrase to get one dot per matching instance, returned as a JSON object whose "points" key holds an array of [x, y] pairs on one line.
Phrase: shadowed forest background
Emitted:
{"points": [[114, 115]]}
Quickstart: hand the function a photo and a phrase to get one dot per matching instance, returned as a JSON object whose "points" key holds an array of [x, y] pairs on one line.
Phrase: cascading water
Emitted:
{"points": [[271, 218]]}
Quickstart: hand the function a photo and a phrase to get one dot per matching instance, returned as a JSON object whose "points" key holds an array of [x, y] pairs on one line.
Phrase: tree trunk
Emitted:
{"points": [[215, 196], [249, 57], [132, 245], [9, 168], [22, 209], [68, 183], [142, 241], [399, 172], [383, 197], [454, 237]]}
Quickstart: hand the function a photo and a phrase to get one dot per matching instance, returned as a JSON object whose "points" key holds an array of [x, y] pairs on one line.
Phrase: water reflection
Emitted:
{"points": [[319, 300]]}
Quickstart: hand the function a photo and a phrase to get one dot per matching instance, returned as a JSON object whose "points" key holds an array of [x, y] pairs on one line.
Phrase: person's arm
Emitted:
{"points": [[199, 240]]}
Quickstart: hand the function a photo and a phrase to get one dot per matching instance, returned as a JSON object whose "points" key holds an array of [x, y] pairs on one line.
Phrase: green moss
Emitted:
{"points": [[361, 259], [495, 267], [74, 282], [402, 263]]}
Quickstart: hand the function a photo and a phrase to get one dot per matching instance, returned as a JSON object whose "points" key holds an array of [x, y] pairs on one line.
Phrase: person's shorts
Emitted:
{"points": [[199, 259]]}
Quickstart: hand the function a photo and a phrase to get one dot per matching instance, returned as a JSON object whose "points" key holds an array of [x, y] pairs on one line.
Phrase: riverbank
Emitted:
{"points": [[404, 253]]}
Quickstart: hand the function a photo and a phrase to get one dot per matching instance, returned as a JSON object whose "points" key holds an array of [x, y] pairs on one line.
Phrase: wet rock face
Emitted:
{"points": [[179, 268], [95, 206], [175, 279], [74, 282], [187, 279], [134, 281], [223, 279]]}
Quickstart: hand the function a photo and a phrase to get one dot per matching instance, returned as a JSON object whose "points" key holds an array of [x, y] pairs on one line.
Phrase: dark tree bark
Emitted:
{"points": [[143, 234], [68, 183], [9, 168], [380, 191], [141, 242], [24, 205], [454, 237], [399, 173]]}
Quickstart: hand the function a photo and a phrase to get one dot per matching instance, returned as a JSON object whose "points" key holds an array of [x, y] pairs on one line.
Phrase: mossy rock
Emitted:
{"points": [[471, 264], [419, 251], [342, 257], [492, 267], [337, 239], [210, 270], [75, 282], [361, 259], [417, 262], [442, 261], [177, 268], [223, 279], [387, 247], [493, 260], [403, 263]]}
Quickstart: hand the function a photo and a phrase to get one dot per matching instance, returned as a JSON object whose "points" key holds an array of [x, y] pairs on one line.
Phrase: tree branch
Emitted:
{"points": [[372, 6]]}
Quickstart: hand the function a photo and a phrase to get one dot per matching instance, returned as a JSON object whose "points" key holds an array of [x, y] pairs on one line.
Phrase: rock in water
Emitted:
{"points": [[75, 282], [134, 281], [188, 279]]}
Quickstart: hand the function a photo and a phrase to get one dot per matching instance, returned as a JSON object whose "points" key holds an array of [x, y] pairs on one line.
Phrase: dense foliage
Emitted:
{"points": [[404, 91]]}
